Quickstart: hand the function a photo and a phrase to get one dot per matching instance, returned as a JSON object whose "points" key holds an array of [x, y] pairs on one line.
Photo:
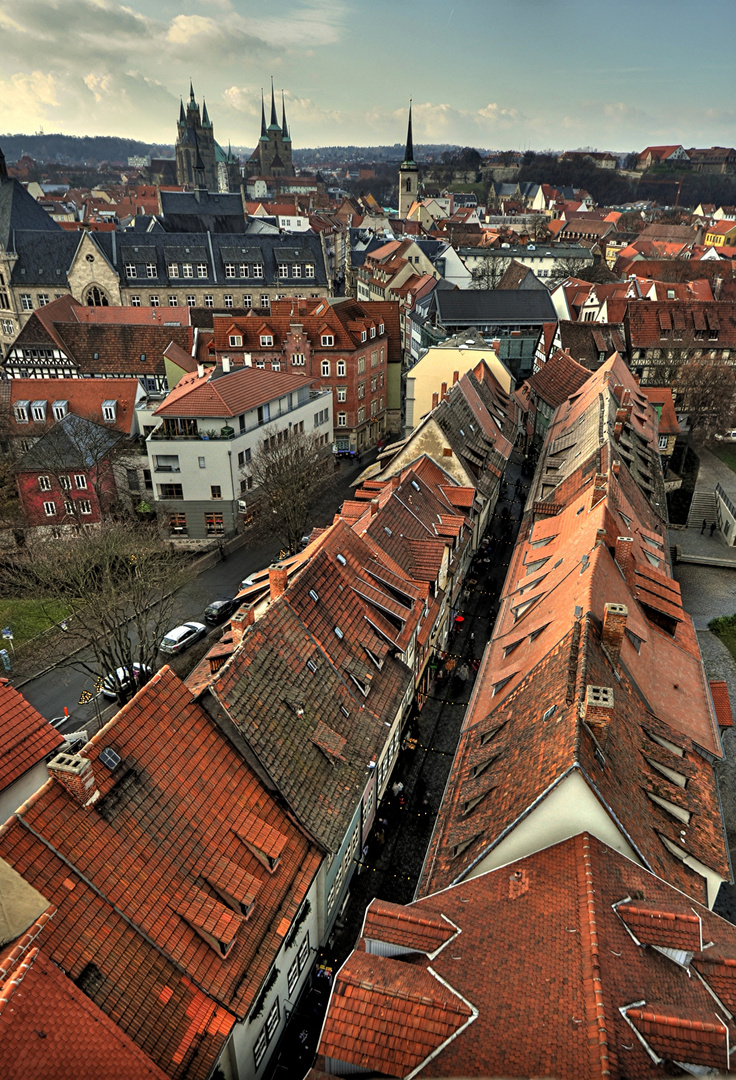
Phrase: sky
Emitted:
{"points": [[494, 74]]}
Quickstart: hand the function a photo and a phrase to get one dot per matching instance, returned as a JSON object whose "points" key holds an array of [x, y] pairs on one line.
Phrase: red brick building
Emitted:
{"points": [[353, 348]]}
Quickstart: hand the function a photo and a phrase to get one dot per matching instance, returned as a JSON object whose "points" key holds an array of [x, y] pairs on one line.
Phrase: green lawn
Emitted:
{"points": [[726, 452], [29, 618], [725, 629]]}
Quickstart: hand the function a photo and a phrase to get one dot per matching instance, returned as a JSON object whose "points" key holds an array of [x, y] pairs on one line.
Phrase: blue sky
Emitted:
{"points": [[611, 74]]}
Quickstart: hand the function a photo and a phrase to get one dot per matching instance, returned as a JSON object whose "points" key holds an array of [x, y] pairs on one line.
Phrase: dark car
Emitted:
{"points": [[125, 681], [181, 637], [219, 610]]}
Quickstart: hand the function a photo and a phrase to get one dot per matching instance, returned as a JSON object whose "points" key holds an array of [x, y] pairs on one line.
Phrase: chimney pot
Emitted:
{"points": [[435, 400], [239, 623], [617, 429], [226, 364], [616, 468], [598, 707], [374, 507], [455, 377], [75, 773], [278, 577], [443, 394], [614, 624]]}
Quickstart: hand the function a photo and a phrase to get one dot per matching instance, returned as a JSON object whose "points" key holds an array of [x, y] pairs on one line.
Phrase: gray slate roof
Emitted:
{"points": [[19, 210], [469, 307], [72, 443]]}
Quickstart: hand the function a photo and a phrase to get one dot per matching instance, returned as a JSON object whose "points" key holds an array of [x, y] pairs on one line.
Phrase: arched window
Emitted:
{"points": [[408, 183], [95, 297]]}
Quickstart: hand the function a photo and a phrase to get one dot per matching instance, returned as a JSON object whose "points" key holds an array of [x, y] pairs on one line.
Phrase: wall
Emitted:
{"points": [[437, 367], [15, 795]]}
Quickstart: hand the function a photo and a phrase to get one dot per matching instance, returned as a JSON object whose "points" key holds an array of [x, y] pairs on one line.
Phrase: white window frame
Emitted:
{"points": [[131, 270], [201, 270], [283, 270], [309, 270], [342, 419], [229, 270], [325, 368], [49, 509], [44, 483], [135, 301], [80, 481], [187, 270], [257, 270], [85, 506], [327, 341], [228, 300], [342, 393], [26, 302], [247, 300], [173, 270], [235, 341], [151, 270], [266, 341]]}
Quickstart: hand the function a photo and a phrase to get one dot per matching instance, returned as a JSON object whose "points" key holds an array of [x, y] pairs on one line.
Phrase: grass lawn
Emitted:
{"points": [[726, 452], [28, 618], [725, 629]]}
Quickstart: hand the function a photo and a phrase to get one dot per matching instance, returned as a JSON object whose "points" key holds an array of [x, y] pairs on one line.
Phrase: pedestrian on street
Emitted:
{"points": [[704, 526], [397, 787], [712, 528]]}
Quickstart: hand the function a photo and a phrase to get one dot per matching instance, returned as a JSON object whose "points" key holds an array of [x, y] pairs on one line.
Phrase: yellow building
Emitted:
{"points": [[721, 235]]}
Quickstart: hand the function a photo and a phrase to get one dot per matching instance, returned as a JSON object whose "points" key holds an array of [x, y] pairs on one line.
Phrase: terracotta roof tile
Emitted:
{"points": [[26, 737], [722, 702]]}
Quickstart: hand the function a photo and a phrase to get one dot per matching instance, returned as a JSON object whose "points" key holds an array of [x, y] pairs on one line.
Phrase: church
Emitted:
{"points": [[201, 163], [272, 155]]}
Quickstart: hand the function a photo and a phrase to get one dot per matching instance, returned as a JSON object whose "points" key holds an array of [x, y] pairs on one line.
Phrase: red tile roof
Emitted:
{"points": [[219, 394], [410, 930], [556, 380], [722, 702], [26, 737], [84, 398], [134, 876]]}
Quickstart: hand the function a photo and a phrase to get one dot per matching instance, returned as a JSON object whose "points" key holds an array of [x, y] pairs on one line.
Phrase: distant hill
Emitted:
{"points": [[79, 150]]}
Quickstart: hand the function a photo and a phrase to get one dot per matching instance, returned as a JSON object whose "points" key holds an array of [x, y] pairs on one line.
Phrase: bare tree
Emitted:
{"points": [[488, 274], [704, 389], [287, 469], [117, 583]]}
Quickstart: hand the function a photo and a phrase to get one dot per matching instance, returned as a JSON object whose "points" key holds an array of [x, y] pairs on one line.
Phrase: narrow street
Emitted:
{"points": [[390, 869]]}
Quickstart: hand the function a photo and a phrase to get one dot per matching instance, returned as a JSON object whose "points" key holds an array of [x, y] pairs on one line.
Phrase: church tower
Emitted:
{"points": [[195, 147], [408, 175], [272, 155]]}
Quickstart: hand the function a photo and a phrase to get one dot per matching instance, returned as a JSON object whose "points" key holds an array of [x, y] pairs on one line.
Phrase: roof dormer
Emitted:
{"points": [[265, 842], [211, 920]]}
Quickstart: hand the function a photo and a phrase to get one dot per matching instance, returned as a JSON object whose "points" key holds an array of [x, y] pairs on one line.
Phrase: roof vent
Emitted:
{"points": [[598, 706], [341, 559]]}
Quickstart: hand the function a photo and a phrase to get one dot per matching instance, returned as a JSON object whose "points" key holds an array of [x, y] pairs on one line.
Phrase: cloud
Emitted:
{"points": [[28, 100]]}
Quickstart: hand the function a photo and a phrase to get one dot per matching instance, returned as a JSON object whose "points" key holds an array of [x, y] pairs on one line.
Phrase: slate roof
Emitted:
{"points": [[19, 210], [473, 306], [137, 877], [44, 257], [556, 380], [73, 442], [562, 912], [26, 737]]}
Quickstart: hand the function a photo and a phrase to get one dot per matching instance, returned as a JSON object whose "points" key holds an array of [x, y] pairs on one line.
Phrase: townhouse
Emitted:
{"points": [[661, 336]]}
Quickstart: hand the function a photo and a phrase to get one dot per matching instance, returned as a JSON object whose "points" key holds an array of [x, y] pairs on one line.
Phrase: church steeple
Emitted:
{"points": [[182, 115], [264, 130], [205, 117], [409, 151], [192, 103], [274, 125], [284, 130]]}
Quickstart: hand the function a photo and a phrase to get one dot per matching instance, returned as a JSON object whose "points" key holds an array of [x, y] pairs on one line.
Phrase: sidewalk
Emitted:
{"points": [[702, 548], [390, 869]]}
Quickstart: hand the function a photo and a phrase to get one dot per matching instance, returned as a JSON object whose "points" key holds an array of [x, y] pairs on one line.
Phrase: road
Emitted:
{"points": [[64, 686]]}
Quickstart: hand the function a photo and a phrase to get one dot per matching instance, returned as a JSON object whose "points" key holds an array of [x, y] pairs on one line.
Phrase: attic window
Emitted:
{"points": [[20, 410], [676, 812], [312, 666], [60, 408], [471, 804], [671, 774], [558, 563], [109, 411], [626, 520], [651, 558], [635, 640], [508, 649], [338, 633], [543, 542], [458, 849], [266, 340], [535, 633], [374, 659], [341, 559], [38, 411], [498, 687], [532, 566], [327, 340], [364, 687], [415, 485], [313, 595], [549, 713], [666, 744], [235, 340]]}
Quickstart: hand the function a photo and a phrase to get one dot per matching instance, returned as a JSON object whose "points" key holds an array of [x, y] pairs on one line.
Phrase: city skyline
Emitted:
{"points": [[498, 74]]}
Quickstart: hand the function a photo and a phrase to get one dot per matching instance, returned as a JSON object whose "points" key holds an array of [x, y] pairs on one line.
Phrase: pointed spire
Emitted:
{"points": [[274, 122], [409, 152], [284, 129], [192, 102], [264, 132], [205, 117], [182, 115]]}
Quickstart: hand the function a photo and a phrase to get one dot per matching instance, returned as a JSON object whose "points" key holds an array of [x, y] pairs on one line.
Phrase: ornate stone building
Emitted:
{"points": [[272, 155], [201, 163]]}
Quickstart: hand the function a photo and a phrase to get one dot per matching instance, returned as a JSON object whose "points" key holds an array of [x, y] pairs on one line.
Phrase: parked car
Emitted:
{"points": [[248, 581], [727, 436], [219, 610], [181, 637], [125, 680]]}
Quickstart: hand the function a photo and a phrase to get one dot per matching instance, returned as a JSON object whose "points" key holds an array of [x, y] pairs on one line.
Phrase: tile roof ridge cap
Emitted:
{"points": [[659, 910], [598, 1044], [164, 674]]}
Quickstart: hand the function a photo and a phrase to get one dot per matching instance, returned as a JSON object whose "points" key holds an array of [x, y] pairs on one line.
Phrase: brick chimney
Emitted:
{"points": [[240, 622], [622, 415], [598, 707], [435, 400], [600, 484], [278, 576], [374, 507], [75, 773], [624, 556], [443, 391], [616, 467], [618, 392], [455, 377], [614, 624], [618, 427]]}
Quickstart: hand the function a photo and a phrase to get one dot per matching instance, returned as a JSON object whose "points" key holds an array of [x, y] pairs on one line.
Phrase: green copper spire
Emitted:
{"points": [[284, 129], [274, 125]]}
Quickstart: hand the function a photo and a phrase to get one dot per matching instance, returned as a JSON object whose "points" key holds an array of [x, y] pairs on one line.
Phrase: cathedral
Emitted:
{"points": [[201, 163], [272, 155]]}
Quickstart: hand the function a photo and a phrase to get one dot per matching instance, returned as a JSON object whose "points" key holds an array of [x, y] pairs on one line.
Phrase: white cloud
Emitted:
{"points": [[184, 28]]}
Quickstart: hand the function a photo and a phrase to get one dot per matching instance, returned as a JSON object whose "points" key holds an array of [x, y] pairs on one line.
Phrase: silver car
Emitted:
{"points": [[181, 637]]}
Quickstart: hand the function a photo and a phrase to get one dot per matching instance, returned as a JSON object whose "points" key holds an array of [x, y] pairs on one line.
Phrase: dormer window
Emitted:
{"points": [[38, 411], [173, 269], [363, 335], [327, 340], [130, 270], [60, 408], [309, 270], [20, 411], [266, 341], [235, 341], [283, 270], [109, 411], [380, 328]]}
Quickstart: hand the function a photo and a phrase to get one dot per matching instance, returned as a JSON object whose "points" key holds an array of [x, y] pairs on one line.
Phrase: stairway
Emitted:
{"points": [[702, 506]]}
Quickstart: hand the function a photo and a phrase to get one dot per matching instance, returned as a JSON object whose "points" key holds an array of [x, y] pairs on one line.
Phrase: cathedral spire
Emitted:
{"points": [[409, 152], [182, 115], [264, 132], [192, 102], [284, 129], [274, 122], [205, 117]]}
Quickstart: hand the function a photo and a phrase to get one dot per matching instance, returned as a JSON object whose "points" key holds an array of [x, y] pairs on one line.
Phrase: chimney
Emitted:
{"points": [[395, 481], [278, 577], [443, 393], [374, 507], [614, 624], [75, 773], [247, 360], [622, 416], [240, 622], [600, 536], [226, 365], [455, 377], [435, 400], [617, 429], [616, 468], [598, 707], [618, 392], [624, 556], [600, 483], [200, 370]]}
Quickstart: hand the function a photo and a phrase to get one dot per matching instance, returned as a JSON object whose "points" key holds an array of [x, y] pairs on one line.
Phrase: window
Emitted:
{"points": [[296, 271], [292, 977], [130, 270], [151, 270], [374, 358], [374, 384], [363, 335], [153, 301], [663, 442], [265, 300], [26, 302], [20, 411], [361, 390], [135, 301], [361, 365], [374, 407], [8, 326], [309, 270], [380, 328], [187, 270], [266, 341], [275, 365], [65, 483], [191, 300], [214, 524], [283, 270], [257, 270], [44, 482], [373, 331], [68, 506], [201, 270], [342, 419], [43, 299], [247, 300], [134, 483], [173, 301], [173, 269], [170, 491], [325, 367], [342, 393], [85, 506], [259, 1048], [297, 359], [228, 298], [109, 410], [177, 524], [235, 340], [215, 491], [229, 270], [361, 414], [38, 411], [49, 509], [209, 301], [327, 340], [341, 368]]}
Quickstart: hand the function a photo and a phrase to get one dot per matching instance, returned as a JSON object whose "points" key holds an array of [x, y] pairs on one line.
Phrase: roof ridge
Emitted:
{"points": [[591, 969]]}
